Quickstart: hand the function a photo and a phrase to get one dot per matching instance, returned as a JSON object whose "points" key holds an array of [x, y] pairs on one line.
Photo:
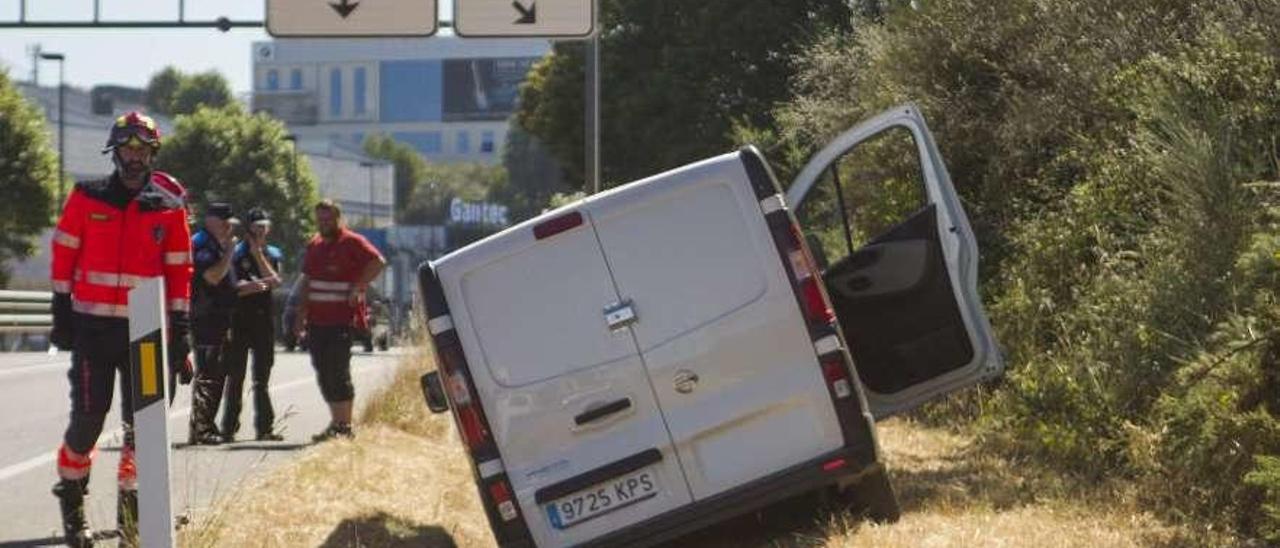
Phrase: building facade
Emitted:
{"points": [[448, 97]]}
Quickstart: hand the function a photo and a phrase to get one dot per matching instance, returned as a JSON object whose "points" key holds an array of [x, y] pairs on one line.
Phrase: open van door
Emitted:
{"points": [[899, 260]]}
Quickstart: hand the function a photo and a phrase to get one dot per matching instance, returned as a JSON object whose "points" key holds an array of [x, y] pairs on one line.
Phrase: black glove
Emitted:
{"points": [[179, 347], [63, 335]]}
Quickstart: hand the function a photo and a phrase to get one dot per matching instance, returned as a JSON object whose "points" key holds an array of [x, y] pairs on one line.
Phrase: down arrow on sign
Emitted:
{"points": [[344, 8]]}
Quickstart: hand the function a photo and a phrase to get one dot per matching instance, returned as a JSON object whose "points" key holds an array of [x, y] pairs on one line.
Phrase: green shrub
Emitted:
{"points": [[1118, 161]]}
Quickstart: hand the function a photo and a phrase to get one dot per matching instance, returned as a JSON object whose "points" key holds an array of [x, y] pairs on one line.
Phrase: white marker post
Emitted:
{"points": [[147, 338]]}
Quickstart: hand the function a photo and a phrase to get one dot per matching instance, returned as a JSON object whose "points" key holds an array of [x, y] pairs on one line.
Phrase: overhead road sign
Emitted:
{"points": [[530, 18], [351, 18]]}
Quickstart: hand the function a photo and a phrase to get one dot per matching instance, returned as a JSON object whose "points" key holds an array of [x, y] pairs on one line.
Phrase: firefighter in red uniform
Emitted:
{"points": [[338, 267], [113, 232]]}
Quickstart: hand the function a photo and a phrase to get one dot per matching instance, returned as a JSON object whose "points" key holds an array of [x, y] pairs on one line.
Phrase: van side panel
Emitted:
{"points": [[692, 251]]}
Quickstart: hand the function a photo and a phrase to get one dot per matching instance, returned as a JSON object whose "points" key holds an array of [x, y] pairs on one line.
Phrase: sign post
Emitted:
{"points": [[148, 359]]}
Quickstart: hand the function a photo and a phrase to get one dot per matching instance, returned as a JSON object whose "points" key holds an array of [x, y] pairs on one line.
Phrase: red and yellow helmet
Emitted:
{"points": [[134, 129]]}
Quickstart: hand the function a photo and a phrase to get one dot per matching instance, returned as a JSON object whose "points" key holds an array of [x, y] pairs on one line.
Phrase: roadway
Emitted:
{"points": [[33, 416]]}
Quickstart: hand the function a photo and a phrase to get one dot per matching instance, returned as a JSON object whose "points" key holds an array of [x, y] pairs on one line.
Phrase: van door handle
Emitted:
{"points": [[595, 414], [619, 315]]}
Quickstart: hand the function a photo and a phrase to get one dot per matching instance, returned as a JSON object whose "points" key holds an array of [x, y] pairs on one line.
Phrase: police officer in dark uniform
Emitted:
{"points": [[213, 304], [257, 267]]}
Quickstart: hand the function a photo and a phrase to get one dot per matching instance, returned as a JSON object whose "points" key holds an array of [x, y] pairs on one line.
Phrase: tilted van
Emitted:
{"points": [[696, 345]]}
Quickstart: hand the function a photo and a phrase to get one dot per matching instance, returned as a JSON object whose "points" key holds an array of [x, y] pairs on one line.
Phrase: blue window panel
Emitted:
{"points": [[335, 92], [295, 79], [359, 78], [464, 142], [486, 142], [427, 142], [410, 91], [273, 79]]}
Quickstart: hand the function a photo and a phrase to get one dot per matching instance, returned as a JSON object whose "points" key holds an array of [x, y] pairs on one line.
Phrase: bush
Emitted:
{"points": [[1118, 161]]}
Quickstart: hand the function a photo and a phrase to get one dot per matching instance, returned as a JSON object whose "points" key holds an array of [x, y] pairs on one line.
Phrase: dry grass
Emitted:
{"points": [[954, 494], [405, 482]]}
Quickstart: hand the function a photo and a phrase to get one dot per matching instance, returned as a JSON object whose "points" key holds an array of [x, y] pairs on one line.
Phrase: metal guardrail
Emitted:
{"points": [[25, 311]]}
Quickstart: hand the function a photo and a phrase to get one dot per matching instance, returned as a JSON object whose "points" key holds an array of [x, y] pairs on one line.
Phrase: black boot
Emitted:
{"points": [[127, 517], [71, 495]]}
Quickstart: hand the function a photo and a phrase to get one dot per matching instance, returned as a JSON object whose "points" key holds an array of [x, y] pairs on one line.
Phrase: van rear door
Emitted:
{"points": [[899, 260], [568, 400], [717, 324]]}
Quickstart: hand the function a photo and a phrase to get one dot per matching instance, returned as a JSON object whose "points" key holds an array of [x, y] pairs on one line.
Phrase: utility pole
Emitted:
{"points": [[62, 122], [34, 50], [369, 167], [591, 165]]}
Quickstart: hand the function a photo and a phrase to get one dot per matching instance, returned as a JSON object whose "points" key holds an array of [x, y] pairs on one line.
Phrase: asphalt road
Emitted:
{"points": [[33, 416]]}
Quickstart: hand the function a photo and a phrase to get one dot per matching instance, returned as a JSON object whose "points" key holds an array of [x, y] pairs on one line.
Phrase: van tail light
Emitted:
{"points": [[556, 225], [806, 280], [472, 424]]}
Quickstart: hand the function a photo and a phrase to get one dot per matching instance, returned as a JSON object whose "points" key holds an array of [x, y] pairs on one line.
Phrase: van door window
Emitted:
{"points": [[874, 231], [869, 190]]}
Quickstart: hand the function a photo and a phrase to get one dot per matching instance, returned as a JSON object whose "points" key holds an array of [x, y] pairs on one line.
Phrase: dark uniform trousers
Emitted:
{"points": [[101, 349], [253, 331], [206, 389]]}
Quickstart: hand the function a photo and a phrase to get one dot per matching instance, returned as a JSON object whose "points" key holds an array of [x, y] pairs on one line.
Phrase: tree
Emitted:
{"points": [[533, 176], [441, 183], [28, 175], [677, 76], [229, 155], [161, 89], [207, 89], [411, 168]]}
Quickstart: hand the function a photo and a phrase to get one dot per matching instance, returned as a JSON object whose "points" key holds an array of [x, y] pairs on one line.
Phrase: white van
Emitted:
{"points": [[669, 353]]}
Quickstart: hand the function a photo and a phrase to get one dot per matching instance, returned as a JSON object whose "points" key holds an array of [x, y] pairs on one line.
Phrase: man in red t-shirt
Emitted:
{"points": [[338, 267]]}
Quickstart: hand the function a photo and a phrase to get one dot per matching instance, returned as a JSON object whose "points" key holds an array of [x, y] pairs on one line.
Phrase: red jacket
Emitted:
{"points": [[108, 239]]}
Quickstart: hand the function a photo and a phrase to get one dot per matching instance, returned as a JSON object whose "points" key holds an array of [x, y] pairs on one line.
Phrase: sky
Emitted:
{"points": [[130, 56]]}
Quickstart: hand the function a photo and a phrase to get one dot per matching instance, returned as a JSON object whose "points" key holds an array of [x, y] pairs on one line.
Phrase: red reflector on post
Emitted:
{"points": [[551, 227], [833, 465]]}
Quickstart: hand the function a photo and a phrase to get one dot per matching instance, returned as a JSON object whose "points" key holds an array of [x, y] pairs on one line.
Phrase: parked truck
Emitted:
{"points": [[698, 344]]}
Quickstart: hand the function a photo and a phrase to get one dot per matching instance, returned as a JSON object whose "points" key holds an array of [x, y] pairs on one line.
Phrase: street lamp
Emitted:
{"points": [[370, 166], [62, 116]]}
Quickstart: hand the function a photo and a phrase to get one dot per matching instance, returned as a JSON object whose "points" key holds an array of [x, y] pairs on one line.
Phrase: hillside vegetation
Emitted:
{"points": [[1119, 161]]}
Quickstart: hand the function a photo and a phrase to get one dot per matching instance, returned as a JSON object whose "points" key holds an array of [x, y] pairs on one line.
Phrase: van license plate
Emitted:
{"points": [[601, 499]]}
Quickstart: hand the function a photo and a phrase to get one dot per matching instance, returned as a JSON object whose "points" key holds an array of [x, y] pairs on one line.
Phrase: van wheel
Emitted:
{"points": [[874, 497]]}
